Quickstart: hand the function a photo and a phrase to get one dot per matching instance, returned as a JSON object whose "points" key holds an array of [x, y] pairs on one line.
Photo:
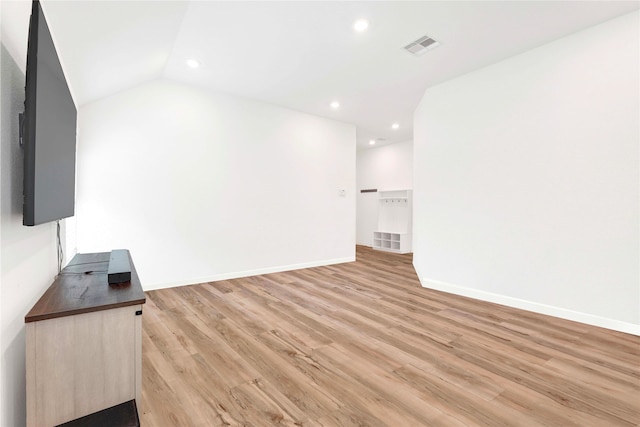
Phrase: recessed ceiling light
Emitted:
{"points": [[360, 25], [335, 104], [192, 63], [395, 126], [372, 142]]}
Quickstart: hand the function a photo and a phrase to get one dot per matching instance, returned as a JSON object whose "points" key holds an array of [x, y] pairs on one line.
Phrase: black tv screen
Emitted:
{"points": [[49, 130]]}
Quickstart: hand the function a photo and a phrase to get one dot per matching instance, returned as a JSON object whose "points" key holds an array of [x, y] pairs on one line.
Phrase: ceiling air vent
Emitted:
{"points": [[421, 45]]}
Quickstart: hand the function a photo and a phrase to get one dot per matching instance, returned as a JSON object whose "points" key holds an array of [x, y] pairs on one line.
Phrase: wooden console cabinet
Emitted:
{"points": [[83, 343]]}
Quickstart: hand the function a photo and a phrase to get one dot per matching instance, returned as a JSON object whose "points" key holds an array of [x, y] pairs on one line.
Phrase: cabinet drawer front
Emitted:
{"points": [[82, 364]]}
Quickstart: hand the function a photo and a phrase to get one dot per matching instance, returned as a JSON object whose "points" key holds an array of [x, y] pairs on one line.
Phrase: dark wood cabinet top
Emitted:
{"points": [[82, 287]]}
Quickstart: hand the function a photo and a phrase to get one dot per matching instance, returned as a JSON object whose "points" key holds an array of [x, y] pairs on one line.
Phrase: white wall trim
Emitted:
{"points": [[549, 310], [247, 273]]}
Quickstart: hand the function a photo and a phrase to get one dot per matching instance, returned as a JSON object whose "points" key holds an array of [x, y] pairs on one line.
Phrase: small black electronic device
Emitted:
{"points": [[119, 267]]}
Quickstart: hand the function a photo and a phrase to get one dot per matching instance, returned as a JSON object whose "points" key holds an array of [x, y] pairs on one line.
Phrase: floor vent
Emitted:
{"points": [[421, 45]]}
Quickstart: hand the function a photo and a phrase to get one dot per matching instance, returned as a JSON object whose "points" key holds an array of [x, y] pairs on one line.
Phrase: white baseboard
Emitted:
{"points": [[562, 313], [246, 273]]}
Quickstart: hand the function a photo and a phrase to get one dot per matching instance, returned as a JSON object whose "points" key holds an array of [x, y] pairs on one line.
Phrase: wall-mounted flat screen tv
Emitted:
{"points": [[48, 130]]}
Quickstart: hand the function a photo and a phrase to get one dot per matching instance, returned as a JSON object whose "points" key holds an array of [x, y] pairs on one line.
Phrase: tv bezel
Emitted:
{"points": [[29, 122]]}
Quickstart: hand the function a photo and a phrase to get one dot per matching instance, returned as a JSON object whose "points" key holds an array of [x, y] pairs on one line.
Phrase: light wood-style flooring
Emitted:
{"points": [[362, 344]]}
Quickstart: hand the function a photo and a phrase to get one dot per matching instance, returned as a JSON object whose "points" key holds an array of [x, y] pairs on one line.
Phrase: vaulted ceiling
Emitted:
{"points": [[304, 55]]}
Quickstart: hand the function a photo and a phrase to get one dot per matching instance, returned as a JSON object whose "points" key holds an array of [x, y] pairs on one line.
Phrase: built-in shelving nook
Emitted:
{"points": [[394, 222]]}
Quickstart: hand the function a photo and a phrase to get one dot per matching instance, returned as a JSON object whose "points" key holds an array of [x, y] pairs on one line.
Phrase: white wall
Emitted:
{"points": [[389, 167], [27, 254], [203, 186], [527, 179]]}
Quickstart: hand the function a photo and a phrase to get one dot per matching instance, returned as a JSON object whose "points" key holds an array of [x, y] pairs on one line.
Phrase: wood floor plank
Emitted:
{"points": [[363, 404], [561, 389], [363, 344], [407, 404], [467, 407]]}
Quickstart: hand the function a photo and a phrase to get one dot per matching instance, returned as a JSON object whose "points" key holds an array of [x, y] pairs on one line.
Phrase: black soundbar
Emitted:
{"points": [[119, 267]]}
